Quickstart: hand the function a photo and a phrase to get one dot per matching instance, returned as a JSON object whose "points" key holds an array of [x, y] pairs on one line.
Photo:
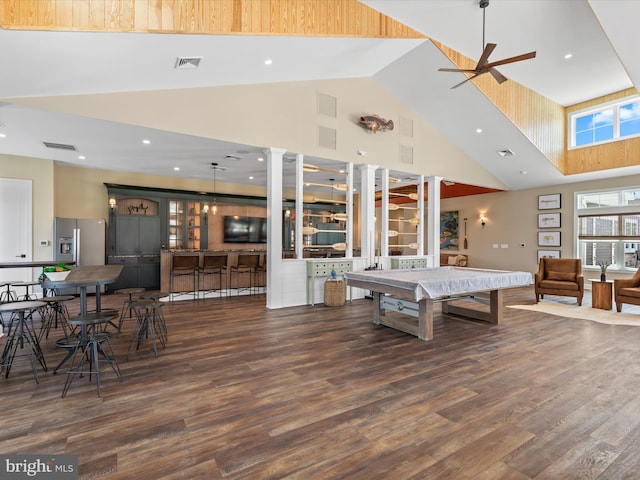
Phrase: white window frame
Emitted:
{"points": [[617, 104]]}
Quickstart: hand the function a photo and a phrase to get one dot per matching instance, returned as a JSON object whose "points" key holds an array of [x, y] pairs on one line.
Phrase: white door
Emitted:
{"points": [[16, 231]]}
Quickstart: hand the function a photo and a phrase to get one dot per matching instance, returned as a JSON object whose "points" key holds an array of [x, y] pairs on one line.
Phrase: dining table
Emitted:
{"points": [[84, 277]]}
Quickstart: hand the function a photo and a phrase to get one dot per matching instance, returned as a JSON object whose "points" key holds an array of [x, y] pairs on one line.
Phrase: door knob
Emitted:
{"points": [[22, 256]]}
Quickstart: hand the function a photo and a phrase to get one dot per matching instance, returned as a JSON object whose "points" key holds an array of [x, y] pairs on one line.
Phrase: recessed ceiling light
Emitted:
{"points": [[568, 56], [146, 142], [177, 169], [3, 135], [478, 130], [81, 157], [268, 61], [250, 178], [523, 172], [260, 159]]}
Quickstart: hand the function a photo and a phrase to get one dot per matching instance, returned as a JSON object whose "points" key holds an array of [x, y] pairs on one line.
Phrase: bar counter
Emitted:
{"points": [[206, 282]]}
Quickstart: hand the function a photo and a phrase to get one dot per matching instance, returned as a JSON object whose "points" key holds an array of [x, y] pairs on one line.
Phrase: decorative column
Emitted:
{"points": [[433, 218], [274, 225], [368, 209]]}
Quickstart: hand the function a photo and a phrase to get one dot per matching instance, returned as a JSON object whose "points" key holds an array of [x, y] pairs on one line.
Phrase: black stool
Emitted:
{"points": [[149, 324], [21, 335], [127, 304], [247, 263], [92, 348], [213, 265], [55, 311]]}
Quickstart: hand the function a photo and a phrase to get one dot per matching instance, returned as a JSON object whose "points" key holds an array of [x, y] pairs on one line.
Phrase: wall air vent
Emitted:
{"points": [[188, 62], [505, 153], [60, 146]]}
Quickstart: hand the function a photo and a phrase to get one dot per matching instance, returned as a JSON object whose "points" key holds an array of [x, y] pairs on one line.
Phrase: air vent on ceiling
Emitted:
{"points": [[505, 153], [232, 157], [60, 146], [188, 62]]}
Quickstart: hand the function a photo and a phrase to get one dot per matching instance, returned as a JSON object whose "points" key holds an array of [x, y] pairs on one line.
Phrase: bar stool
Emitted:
{"points": [[54, 311], [261, 274], [21, 335], [153, 295], [149, 324], [127, 304], [184, 266], [27, 296], [8, 295], [214, 265], [247, 263], [92, 348]]}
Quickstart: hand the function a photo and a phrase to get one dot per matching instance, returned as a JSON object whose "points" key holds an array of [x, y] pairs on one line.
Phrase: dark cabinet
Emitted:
{"points": [[137, 272], [137, 235]]}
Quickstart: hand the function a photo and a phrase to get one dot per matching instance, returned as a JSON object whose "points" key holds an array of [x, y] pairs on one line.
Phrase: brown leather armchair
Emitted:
{"points": [[559, 276], [627, 290]]}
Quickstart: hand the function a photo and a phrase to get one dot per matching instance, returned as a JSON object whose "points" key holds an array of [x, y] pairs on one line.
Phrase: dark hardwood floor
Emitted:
{"points": [[243, 392]]}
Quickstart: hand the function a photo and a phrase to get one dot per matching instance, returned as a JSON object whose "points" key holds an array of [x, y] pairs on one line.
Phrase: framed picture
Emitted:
{"points": [[449, 230], [548, 239], [548, 254], [549, 202], [549, 220]]}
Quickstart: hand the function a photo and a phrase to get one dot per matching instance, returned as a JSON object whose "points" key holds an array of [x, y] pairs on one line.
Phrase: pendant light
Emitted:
{"points": [[214, 204]]}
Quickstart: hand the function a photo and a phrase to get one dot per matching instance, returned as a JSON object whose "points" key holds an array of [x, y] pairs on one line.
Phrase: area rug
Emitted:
{"points": [[609, 317]]}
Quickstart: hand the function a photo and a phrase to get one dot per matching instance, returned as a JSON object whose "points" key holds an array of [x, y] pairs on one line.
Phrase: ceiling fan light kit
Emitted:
{"points": [[483, 65]]}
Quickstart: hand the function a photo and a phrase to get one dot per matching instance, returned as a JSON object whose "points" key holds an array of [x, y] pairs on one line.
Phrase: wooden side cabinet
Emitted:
{"points": [[601, 294]]}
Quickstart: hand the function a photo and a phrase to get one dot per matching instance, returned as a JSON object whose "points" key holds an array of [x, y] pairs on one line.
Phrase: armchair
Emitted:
{"points": [[560, 276], [627, 290]]}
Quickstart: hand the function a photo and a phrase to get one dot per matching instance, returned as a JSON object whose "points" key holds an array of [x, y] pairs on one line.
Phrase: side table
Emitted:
{"points": [[601, 294]]}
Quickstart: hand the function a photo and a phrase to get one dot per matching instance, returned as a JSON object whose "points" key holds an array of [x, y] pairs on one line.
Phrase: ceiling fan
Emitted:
{"points": [[483, 66]]}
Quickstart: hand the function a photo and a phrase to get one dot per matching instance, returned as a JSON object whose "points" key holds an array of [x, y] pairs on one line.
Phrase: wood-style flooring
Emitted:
{"points": [[243, 392]]}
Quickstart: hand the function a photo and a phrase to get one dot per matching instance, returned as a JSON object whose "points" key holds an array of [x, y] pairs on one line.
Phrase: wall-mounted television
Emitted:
{"points": [[245, 229]]}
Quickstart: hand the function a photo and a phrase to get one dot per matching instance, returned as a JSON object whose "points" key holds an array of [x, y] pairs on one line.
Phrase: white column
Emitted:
{"points": [[274, 225], [368, 210], [349, 225], [299, 205], [433, 218], [421, 216], [384, 214]]}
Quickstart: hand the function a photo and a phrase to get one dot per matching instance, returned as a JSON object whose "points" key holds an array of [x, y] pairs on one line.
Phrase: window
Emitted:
{"points": [[609, 228], [605, 123]]}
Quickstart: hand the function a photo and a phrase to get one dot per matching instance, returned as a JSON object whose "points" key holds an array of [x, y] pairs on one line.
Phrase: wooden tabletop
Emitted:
{"points": [[89, 275], [31, 264], [17, 306]]}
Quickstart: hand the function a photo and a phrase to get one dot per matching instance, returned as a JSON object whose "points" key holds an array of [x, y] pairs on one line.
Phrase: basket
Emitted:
{"points": [[334, 293]]}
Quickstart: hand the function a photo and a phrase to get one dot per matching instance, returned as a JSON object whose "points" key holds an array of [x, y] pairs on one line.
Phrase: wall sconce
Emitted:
{"points": [[483, 219], [112, 203]]}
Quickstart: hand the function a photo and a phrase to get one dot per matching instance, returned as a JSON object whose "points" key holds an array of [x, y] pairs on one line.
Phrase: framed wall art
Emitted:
{"points": [[548, 239], [548, 254], [549, 220], [549, 202]]}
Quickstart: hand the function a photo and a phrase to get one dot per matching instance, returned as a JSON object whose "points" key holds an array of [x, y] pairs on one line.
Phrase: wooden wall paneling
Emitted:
{"points": [[260, 17]]}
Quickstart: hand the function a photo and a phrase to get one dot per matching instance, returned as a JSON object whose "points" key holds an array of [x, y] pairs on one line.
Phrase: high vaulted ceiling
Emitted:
{"points": [[601, 35]]}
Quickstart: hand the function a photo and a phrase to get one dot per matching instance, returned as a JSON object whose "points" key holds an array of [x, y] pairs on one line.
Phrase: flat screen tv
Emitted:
{"points": [[245, 229]]}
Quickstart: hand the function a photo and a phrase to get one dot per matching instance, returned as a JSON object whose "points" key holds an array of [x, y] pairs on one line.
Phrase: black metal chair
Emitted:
{"points": [[184, 266], [212, 266]]}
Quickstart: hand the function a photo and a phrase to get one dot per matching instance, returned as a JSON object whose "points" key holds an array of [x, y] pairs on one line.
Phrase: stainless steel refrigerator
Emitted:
{"points": [[80, 240]]}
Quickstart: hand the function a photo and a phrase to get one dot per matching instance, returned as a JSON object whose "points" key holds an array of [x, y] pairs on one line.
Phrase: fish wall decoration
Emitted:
{"points": [[375, 123]]}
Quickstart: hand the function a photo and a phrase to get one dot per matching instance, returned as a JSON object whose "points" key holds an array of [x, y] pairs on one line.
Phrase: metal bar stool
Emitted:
{"points": [[213, 265], [22, 336], [149, 324], [55, 311], [246, 265], [184, 266], [27, 296], [127, 304], [8, 295], [92, 348]]}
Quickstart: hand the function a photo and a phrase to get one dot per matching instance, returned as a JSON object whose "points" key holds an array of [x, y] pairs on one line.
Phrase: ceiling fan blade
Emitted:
{"points": [[465, 81], [489, 47], [497, 75], [518, 58], [456, 70]]}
